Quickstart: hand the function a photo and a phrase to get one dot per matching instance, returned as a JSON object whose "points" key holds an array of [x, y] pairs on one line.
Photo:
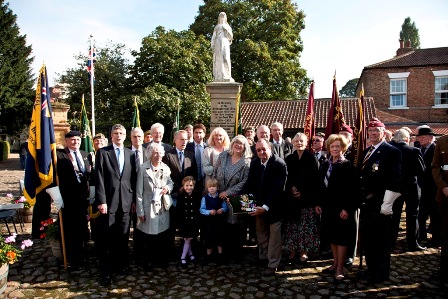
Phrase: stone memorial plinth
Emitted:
{"points": [[61, 126], [224, 97]]}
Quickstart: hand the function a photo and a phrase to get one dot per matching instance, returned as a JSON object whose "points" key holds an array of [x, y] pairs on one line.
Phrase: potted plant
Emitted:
{"points": [[9, 254], [50, 230], [27, 211]]}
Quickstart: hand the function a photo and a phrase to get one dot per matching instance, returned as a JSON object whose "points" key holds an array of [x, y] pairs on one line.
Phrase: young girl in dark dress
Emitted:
{"points": [[188, 203]]}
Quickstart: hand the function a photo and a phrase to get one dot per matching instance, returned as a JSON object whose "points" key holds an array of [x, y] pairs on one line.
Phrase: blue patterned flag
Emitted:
{"points": [[40, 162]]}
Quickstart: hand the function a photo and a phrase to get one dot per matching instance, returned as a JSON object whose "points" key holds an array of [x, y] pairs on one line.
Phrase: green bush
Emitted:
{"points": [[4, 150]]}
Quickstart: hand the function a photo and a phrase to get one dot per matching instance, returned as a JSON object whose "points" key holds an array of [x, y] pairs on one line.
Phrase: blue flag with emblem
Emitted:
{"points": [[41, 158]]}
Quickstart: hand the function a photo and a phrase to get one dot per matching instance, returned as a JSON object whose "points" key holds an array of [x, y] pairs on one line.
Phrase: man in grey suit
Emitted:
{"points": [[115, 177], [279, 146]]}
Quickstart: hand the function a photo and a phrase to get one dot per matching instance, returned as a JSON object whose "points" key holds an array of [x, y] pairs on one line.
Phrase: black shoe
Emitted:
{"points": [[269, 272], [105, 280], [377, 279], [183, 263], [329, 271], [417, 248], [348, 262], [205, 260]]}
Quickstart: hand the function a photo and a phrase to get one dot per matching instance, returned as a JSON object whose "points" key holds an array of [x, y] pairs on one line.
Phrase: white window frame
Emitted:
{"points": [[395, 77], [439, 75]]}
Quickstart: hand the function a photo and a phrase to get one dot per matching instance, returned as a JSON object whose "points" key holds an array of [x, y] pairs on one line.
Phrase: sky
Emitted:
{"points": [[342, 36]]}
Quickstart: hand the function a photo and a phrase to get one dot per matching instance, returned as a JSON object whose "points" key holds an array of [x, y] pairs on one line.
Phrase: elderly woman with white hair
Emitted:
{"points": [[153, 187], [232, 170]]}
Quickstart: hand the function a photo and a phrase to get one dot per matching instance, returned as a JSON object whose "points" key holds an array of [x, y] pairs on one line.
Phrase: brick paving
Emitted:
{"points": [[39, 274]]}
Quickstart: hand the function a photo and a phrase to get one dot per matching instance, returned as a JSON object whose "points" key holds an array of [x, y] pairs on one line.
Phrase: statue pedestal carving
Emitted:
{"points": [[61, 127], [224, 103]]}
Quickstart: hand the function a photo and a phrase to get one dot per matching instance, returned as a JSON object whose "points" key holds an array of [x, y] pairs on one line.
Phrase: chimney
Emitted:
{"points": [[406, 49]]}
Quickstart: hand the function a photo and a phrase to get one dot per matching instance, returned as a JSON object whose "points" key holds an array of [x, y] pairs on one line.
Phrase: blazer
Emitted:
{"points": [[282, 150], [231, 181], [426, 181], [439, 162], [147, 181], [74, 192], [171, 159], [268, 188], [113, 189], [381, 172], [412, 166]]}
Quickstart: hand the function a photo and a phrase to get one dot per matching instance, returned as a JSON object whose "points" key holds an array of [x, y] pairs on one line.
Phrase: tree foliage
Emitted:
{"points": [[266, 47], [113, 100], [16, 81], [410, 32], [349, 89], [170, 66]]}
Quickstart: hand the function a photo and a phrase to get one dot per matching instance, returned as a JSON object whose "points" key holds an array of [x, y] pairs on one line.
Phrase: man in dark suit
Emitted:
{"points": [[440, 173], [115, 177], [280, 147], [266, 181], [74, 169], [197, 147], [412, 166], [317, 146], [381, 178], [428, 204]]}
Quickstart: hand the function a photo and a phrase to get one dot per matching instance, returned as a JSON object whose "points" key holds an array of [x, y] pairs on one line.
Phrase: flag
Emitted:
{"points": [[176, 122], [335, 115], [360, 132], [135, 116], [310, 122], [41, 157], [90, 63], [86, 134], [238, 119]]}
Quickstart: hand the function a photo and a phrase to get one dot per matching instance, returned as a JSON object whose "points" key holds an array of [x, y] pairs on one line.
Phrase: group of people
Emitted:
{"points": [[307, 197]]}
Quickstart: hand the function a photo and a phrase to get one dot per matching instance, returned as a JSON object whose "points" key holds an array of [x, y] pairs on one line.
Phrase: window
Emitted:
{"points": [[398, 93], [398, 89], [441, 87]]}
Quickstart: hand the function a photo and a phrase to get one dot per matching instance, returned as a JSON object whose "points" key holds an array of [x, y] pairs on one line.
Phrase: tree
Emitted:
{"points": [[410, 32], [266, 45], [349, 89], [16, 81], [113, 99], [170, 66]]}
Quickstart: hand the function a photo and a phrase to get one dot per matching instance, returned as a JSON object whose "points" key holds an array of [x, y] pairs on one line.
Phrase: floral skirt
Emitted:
{"points": [[302, 235]]}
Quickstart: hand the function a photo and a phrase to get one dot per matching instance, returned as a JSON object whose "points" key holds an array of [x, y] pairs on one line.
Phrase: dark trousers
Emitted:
{"points": [[234, 241], [375, 238], [412, 230], [443, 208], [75, 223], [429, 207], [156, 248], [112, 241]]}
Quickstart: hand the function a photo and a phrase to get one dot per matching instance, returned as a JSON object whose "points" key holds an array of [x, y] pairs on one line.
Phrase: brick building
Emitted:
{"points": [[411, 88]]}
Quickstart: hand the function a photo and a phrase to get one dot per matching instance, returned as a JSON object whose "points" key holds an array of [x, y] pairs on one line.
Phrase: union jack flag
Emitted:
{"points": [[90, 63]]}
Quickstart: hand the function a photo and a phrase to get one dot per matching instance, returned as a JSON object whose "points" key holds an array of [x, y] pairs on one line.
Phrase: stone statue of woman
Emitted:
{"points": [[221, 41]]}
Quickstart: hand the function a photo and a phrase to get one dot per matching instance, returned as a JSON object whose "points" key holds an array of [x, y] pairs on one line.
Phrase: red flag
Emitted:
{"points": [[335, 115], [360, 132], [310, 125]]}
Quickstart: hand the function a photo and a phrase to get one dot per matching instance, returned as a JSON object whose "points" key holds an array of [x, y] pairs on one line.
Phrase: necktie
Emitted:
{"points": [[120, 160], [181, 161], [78, 162], [423, 150], [263, 168], [198, 154], [364, 162], [137, 157]]}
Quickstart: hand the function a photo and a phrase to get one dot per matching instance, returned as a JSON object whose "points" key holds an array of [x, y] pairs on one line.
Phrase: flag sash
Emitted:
{"points": [[360, 132], [309, 126]]}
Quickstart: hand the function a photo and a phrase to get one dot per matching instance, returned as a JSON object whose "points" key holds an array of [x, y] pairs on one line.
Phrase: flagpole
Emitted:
{"points": [[92, 76]]}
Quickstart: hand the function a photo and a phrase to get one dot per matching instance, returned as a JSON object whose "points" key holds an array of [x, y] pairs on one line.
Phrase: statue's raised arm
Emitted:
{"points": [[221, 41]]}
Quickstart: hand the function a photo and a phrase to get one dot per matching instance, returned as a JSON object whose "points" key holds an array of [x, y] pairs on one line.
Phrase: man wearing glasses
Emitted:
{"points": [[266, 181], [381, 178]]}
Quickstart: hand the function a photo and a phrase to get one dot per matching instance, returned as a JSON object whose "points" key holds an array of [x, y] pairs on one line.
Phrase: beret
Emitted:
{"points": [[73, 134], [346, 128], [375, 122]]}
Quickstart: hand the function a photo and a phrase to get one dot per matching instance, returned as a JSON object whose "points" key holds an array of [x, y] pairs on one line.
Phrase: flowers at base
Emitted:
{"points": [[9, 253], [20, 199], [50, 229]]}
